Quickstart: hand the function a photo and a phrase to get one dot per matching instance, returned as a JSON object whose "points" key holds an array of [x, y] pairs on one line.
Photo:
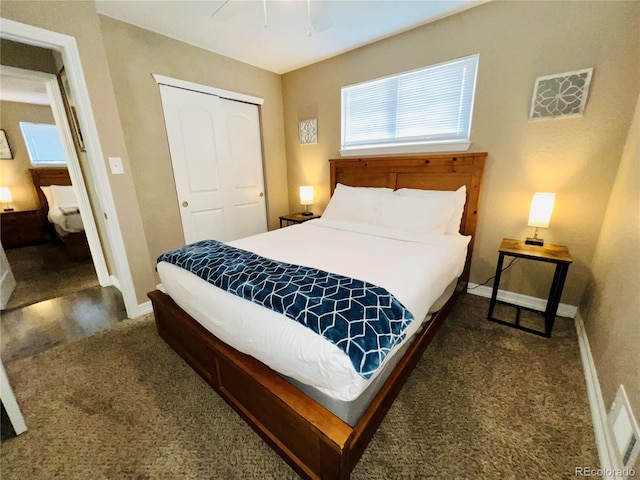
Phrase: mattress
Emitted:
{"points": [[416, 270]]}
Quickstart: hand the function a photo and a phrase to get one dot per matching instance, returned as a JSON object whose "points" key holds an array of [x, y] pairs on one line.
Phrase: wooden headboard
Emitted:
{"points": [[425, 172], [43, 177]]}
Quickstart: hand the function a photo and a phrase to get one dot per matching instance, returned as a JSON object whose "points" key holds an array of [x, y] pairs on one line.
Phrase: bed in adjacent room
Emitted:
{"points": [[59, 208], [315, 398]]}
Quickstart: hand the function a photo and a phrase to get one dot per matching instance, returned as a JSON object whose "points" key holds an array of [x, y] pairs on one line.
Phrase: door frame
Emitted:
{"points": [[68, 48], [197, 87], [61, 120]]}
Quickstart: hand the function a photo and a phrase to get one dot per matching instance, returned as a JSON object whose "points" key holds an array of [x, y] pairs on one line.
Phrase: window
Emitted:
{"points": [[422, 110], [43, 143]]}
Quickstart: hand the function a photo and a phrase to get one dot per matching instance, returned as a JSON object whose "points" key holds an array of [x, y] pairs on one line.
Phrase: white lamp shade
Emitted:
{"points": [[5, 195], [306, 195], [541, 209]]}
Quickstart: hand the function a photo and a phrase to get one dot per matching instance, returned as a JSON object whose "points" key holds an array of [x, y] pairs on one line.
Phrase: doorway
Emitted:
{"points": [[35, 100], [41, 266], [67, 47]]}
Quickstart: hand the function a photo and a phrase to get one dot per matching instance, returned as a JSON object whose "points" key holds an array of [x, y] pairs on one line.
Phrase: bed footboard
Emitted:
{"points": [[312, 440]]}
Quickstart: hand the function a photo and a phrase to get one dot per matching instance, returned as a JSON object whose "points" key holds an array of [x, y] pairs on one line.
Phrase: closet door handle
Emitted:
{"points": [[185, 204], [261, 194]]}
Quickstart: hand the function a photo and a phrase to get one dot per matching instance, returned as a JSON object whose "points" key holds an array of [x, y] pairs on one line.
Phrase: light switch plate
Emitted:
{"points": [[116, 165]]}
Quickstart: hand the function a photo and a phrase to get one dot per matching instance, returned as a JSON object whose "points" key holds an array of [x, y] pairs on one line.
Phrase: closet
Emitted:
{"points": [[216, 153]]}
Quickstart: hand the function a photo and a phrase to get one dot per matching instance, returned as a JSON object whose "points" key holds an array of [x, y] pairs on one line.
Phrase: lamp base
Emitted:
{"points": [[534, 241], [306, 214]]}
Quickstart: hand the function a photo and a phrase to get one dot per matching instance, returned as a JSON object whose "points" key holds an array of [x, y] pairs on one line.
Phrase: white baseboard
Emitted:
{"points": [[142, 309], [606, 448], [145, 308], [564, 310], [115, 282]]}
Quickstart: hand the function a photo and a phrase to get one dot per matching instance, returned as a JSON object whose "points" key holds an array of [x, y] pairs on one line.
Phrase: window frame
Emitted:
{"points": [[398, 147], [28, 141]]}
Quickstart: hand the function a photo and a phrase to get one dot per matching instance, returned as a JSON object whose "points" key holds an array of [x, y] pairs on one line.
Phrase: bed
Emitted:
{"points": [[315, 439], [64, 221]]}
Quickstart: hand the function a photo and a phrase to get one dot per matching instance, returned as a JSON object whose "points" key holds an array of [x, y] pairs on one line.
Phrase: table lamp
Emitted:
{"points": [[306, 199], [539, 215], [6, 199]]}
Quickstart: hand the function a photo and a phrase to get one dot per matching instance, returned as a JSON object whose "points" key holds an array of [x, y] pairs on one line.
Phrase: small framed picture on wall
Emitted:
{"points": [[5, 149]]}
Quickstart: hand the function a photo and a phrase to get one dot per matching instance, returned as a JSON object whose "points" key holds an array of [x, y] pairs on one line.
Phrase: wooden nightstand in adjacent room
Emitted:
{"points": [[293, 218], [21, 227], [556, 254]]}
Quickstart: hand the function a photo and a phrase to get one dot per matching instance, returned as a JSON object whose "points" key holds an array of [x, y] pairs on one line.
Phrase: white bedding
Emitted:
{"points": [[69, 222], [414, 269], [63, 211]]}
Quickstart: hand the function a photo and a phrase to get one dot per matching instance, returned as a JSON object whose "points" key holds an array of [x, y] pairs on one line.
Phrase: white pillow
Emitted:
{"points": [[355, 204], [424, 215], [48, 195], [457, 199], [63, 196]]}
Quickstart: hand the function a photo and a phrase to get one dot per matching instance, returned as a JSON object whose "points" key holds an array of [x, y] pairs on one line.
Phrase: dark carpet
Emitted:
{"points": [[485, 402], [45, 271]]}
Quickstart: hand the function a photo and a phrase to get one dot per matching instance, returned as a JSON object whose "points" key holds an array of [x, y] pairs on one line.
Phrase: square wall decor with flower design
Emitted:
{"points": [[309, 131], [560, 95]]}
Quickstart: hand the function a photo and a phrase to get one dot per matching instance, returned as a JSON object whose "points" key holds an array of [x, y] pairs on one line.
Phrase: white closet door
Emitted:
{"points": [[245, 193], [216, 154]]}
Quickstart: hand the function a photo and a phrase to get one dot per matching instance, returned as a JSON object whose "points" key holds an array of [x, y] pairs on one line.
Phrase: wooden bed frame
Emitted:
{"points": [[75, 243], [311, 439]]}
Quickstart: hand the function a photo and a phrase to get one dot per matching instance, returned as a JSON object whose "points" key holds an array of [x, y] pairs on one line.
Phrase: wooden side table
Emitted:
{"points": [[557, 254], [293, 218], [21, 227]]}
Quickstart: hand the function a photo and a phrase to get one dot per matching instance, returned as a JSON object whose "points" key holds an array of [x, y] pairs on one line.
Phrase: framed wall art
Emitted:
{"points": [[560, 95], [309, 132], [5, 149]]}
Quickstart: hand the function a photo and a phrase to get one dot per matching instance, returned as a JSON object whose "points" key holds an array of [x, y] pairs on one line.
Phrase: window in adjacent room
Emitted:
{"points": [[43, 143], [418, 111]]}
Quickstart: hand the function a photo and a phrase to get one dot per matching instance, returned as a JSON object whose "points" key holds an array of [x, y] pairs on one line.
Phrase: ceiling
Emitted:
{"points": [[293, 36]]}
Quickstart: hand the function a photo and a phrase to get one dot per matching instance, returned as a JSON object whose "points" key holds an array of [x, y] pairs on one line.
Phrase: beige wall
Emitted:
{"points": [[80, 20], [15, 173], [611, 304], [517, 42], [134, 55], [28, 57]]}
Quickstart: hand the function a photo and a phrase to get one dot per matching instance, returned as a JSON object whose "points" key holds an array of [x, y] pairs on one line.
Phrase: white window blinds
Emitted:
{"points": [[430, 105], [43, 143]]}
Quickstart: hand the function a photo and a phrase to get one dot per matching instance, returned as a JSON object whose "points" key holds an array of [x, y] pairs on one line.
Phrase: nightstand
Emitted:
{"points": [[556, 254], [293, 218], [21, 227]]}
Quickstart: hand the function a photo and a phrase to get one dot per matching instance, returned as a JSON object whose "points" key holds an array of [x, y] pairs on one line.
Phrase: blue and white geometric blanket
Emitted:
{"points": [[363, 320]]}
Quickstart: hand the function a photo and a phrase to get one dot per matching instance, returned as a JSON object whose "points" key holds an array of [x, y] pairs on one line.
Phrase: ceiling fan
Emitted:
{"points": [[318, 18]]}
